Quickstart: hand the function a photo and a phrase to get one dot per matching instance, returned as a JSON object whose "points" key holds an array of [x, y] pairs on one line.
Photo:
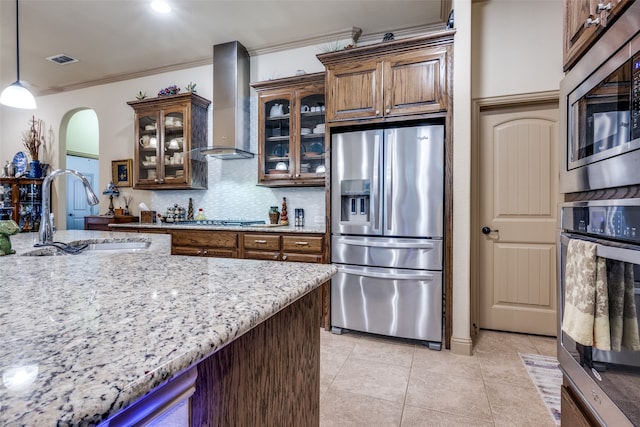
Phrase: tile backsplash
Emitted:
{"points": [[233, 194]]}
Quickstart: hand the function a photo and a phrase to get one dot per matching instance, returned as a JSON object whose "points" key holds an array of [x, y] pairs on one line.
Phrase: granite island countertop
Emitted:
{"points": [[83, 336]]}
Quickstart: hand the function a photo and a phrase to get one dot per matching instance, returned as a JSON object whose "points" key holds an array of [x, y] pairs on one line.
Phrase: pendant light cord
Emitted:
{"points": [[17, 42]]}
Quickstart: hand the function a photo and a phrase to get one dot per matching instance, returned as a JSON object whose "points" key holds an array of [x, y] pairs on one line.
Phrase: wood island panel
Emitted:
{"points": [[269, 376]]}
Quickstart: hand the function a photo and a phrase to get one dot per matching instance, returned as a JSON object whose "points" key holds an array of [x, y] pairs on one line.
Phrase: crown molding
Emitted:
{"points": [[354, 34]]}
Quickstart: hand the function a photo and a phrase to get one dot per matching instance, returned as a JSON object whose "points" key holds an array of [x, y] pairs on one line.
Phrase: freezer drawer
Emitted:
{"points": [[394, 302], [419, 254]]}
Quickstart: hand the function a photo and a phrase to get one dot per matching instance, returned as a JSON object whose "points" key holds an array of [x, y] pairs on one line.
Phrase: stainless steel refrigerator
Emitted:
{"points": [[387, 225]]}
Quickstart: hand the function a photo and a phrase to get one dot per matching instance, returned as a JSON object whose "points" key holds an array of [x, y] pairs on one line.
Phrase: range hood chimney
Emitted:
{"points": [[230, 102]]}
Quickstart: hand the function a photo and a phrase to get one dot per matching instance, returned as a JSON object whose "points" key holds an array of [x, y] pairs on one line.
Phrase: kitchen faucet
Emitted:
{"points": [[45, 233]]}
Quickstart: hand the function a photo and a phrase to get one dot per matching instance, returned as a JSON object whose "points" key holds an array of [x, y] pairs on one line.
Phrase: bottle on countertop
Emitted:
{"points": [[190, 210], [299, 217], [284, 216]]}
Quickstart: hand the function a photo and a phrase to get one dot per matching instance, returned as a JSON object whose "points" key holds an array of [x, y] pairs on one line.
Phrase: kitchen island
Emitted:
{"points": [[86, 336]]}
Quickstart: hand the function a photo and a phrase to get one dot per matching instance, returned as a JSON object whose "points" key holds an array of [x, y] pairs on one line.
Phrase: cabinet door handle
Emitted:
{"points": [[260, 241], [302, 243], [591, 22], [601, 7]]}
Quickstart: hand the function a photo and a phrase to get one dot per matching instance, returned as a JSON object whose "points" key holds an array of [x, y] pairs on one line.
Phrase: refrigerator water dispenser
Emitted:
{"points": [[355, 200]]}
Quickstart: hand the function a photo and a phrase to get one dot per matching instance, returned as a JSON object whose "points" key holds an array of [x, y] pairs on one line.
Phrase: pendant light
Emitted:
{"points": [[17, 95]]}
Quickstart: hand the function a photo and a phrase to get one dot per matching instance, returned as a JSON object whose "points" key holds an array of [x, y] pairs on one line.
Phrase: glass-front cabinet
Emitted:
{"points": [[169, 133], [24, 197], [291, 138]]}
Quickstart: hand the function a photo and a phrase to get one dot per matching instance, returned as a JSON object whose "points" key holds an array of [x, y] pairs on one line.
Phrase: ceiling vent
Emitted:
{"points": [[62, 59]]}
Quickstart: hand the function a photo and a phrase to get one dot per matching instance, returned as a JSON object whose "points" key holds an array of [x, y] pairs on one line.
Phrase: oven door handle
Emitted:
{"points": [[618, 254]]}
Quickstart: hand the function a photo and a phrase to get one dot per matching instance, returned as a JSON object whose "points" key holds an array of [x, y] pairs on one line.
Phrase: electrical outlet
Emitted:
{"points": [[318, 219]]}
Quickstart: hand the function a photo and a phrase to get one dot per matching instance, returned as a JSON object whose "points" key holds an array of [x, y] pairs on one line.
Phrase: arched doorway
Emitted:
{"points": [[81, 142]]}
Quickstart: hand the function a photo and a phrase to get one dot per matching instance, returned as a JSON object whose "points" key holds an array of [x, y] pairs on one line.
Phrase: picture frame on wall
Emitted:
{"points": [[121, 172]]}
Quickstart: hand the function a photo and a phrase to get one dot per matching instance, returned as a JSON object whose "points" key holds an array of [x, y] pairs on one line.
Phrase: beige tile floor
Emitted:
{"points": [[372, 381]]}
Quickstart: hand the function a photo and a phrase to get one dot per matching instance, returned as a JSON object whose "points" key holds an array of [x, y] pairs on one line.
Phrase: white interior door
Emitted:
{"points": [[518, 195]]}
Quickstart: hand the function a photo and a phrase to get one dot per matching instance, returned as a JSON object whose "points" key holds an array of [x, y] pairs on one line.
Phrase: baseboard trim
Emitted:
{"points": [[461, 346]]}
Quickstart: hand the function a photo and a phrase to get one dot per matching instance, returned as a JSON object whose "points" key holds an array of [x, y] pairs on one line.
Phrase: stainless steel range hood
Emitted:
{"points": [[230, 102]]}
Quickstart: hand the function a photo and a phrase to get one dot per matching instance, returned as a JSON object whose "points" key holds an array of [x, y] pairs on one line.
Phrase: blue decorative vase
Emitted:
{"points": [[35, 169]]}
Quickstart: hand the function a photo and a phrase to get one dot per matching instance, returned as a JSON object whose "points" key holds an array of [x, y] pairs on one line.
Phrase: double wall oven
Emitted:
{"points": [[605, 371], [599, 229]]}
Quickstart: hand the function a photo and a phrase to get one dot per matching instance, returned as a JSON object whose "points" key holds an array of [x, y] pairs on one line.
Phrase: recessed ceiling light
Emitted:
{"points": [[160, 6]]}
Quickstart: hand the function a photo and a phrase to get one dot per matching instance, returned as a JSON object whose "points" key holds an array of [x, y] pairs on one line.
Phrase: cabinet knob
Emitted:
{"points": [[591, 22], [388, 110], [377, 112], [199, 252], [206, 252], [284, 257]]}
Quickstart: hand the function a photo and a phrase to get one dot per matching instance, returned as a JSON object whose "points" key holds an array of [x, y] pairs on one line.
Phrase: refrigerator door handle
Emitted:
{"points": [[375, 188], [394, 276], [412, 245], [389, 160]]}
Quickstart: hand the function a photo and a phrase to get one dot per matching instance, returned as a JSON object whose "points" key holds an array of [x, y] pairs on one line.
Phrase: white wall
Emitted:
{"points": [[83, 133], [516, 47]]}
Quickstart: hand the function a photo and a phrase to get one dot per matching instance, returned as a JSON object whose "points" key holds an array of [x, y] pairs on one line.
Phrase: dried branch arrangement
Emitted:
{"points": [[34, 139]]}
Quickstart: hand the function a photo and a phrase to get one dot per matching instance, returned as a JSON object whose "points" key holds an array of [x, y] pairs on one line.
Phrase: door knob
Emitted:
{"points": [[487, 230]]}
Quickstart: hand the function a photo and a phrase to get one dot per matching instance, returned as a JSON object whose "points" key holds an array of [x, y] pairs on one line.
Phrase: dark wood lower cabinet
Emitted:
{"points": [[269, 376]]}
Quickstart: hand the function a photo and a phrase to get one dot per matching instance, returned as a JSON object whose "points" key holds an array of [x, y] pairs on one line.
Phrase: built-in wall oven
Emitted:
{"points": [[601, 111], [599, 276]]}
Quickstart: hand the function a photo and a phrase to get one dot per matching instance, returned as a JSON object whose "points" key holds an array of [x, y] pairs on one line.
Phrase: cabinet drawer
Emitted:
{"points": [[208, 252], [262, 241], [302, 243], [208, 239], [186, 250], [293, 257], [263, 255], [220, 253]]}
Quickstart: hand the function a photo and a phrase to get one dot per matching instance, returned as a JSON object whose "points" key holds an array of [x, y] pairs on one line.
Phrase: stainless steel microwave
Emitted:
{"points": [[600, 101]]}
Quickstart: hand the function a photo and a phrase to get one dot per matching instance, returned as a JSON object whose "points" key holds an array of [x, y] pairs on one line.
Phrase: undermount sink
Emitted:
{"points": [[84, 247]]}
